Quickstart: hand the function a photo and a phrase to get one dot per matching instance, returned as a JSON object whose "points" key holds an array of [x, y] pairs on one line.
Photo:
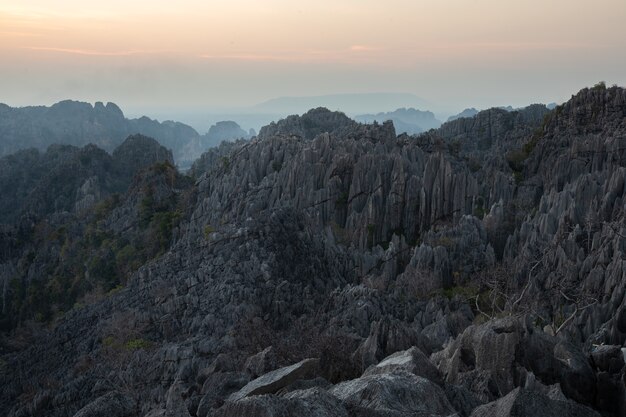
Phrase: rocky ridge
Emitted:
{"points": [[427, 275], [410, 121], [78, 124]]}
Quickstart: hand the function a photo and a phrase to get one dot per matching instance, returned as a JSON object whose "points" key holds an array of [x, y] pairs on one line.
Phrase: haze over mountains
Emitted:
{"points": [[405, 120], [260, 114], [325, 267], [317, 208], [77, 123], [347, 103]]}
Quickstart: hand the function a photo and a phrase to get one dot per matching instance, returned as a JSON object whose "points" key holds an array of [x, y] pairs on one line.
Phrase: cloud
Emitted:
{"points": [[84, 51]]}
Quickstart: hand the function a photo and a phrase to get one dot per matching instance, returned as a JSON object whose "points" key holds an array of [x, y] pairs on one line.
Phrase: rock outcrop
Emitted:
{"points": [[309, 125], [524, 403], [280, 378], [224, 131], [476, 268]]}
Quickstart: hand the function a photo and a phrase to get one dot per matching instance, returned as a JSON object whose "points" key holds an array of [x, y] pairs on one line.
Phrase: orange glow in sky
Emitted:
{"points": [[237, 52]]}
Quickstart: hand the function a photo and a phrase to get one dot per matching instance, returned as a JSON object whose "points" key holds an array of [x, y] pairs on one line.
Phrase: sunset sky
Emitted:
{"points": [[185, 54]]}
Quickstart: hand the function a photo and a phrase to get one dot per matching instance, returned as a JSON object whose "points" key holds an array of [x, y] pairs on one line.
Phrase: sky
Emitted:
{"points": [[157, 56]]}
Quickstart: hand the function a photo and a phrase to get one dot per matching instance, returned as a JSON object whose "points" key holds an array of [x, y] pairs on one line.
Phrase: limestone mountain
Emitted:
{"points": [[355, 103], [332, 268], [470, 112], [410, 121], [224, 131], [309, 125], [79, 124], [66, 178], [55, 229]]}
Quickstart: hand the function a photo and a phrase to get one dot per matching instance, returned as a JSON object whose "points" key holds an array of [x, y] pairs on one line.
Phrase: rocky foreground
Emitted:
{"points": [[331, 268]]}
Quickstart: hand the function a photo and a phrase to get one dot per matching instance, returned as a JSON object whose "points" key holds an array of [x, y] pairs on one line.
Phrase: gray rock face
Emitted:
{"points": [[261, 363], [309, 125], [494, 127], [611, 385], [398, 393], [561, 362], [366, 185], [217, 387], [483, 358], [409, 120], [313, 402], [113, 404], [608, 358], [224, 131], [175, 406], [525, 403], [215, 158], [337, 241], [462, 399], [387, 337], [494, 358], [470, 112], [412, 360], [280, 378]]}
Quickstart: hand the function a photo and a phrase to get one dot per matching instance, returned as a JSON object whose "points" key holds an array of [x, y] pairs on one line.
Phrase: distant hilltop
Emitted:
{"points": [[356, 103], [78, 123], [411, 121]]}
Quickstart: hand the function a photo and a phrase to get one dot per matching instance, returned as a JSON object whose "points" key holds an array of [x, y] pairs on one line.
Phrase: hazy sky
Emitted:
{"points": [[182, 54]]}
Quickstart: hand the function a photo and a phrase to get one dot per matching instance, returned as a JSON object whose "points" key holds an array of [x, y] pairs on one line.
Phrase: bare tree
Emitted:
{"points": [[558, 289]]}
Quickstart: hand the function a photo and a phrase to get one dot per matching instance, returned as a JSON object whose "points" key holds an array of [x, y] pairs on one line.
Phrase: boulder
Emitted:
{"points": [[608, 358], [305, 384], [398, 393], [495, 357], [483, 358], [553, 360], [280, 378], [528, 403], [412, 360], [311, 402]]}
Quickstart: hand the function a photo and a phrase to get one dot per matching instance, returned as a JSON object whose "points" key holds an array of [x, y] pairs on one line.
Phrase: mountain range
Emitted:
{"points": [[324, 267], [355, 103], [78, 123]]}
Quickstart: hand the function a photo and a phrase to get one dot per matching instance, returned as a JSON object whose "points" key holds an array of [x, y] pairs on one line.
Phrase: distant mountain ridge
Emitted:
{"points": [[309, 125], [471, 112], [78, 123], [226, 131], [357, 103], [409, 120], [327, 267]]}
